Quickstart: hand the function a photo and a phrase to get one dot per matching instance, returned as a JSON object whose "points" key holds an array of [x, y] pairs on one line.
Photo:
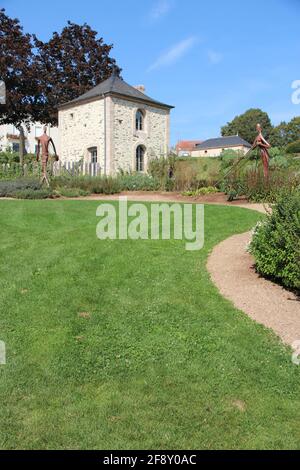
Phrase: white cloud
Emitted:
{"points": [[175, 53], [161, 8], [214, 57]]}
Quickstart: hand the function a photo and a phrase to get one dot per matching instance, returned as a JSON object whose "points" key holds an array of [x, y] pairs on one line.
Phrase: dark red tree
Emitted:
{"points": [[70, 64], [18, 71]]}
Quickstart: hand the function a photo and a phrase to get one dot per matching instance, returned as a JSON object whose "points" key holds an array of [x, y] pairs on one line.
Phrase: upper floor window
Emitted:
{"points": [[139, 120]]}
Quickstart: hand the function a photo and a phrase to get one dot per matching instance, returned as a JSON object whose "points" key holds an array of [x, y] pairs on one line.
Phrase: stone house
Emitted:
{"points": [[115, 125], [214, 147]]}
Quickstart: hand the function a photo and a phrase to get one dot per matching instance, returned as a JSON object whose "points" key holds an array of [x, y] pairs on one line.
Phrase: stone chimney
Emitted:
{"points": [[140, 88]]}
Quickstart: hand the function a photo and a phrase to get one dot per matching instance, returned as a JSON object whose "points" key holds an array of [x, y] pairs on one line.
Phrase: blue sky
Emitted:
{"points": [[211, 59]]}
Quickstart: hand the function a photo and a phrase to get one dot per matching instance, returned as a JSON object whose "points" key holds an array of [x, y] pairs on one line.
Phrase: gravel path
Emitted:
{"points": [[231, 269]]}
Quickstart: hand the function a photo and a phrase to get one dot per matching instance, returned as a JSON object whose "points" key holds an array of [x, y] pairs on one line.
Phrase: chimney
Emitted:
{"points": [[140, 88]]}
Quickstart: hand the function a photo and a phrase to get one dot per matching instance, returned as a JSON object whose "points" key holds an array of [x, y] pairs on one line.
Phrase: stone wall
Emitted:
{"points": [[154, 137], [82, 127]]}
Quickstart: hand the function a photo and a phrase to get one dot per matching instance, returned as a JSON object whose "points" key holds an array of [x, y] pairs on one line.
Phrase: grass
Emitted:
{"points": [[159, 360]]}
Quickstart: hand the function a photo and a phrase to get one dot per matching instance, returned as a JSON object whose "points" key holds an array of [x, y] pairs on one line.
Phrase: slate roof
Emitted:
{"points": [[116, 86], [223, 142]]}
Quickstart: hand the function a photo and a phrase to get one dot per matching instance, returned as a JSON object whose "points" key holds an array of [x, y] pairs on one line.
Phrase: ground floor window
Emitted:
{"points": [[15, 147], [93, 154], [140, 157]]}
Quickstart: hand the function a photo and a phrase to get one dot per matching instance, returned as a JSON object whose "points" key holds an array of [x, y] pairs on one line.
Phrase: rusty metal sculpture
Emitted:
{"points": [[44, 142], [263, 146]]}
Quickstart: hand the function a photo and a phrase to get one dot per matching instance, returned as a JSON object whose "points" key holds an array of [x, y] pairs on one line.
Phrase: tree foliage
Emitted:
{"points": [[245, 125], [17, 69], [39, 76], [293, 147], [19, 72], [69, 64], [286, 133]]}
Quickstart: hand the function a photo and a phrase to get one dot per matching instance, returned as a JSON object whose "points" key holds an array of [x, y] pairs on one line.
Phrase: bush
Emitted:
{"points": [[32, 194], [8, 156], [138, 182], [294, 147], [201, 191], [9, 187], [276, 242], [89, 184], [71, 192]]}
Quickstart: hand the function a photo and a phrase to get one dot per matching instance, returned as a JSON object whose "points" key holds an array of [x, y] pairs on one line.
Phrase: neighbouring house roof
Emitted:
{"points": [[116, 86], [187, 145], [223, 142]]}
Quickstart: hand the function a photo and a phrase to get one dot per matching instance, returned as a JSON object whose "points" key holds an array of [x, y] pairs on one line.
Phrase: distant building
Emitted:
{"points": [[9, 137], [214, 147], [115, 125], [184, 148]]}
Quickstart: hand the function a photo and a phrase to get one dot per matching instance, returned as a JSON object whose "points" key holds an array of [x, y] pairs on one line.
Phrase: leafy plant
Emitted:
{"points": [[201, 191], [276, 242], [71, 192], [138, 182], [32, 194], [294, 147], [10, 187]]}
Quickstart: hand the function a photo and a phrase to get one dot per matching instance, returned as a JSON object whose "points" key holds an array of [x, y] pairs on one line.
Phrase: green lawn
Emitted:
{"points": [[163, 361]]}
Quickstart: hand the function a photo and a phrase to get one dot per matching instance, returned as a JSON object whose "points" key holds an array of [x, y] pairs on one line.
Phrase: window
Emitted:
{"points": [[140, 156], [93, 154], [15, 147], [139, 120]]}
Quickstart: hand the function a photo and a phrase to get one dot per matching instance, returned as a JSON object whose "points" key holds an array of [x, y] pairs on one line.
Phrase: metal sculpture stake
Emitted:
{"points": [[44, 142], [263, 145]]}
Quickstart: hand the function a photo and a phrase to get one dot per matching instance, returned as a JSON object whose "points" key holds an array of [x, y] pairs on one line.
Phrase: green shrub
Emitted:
{"points": [[32, 194], [159, 167], [105, 185], [88, 184], [201, 191], [280, 161], [71, 192], [8, 156], [9, 187], [293, 147], [138, 182], [276, 242]]}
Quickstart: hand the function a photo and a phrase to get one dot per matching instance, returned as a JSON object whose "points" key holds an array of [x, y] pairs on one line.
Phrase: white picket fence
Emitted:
{"points": [[54, 168], [76, 169]]}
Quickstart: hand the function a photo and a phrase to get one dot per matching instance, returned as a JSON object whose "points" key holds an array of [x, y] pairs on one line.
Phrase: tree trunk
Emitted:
{"points": [[22, 147]]}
